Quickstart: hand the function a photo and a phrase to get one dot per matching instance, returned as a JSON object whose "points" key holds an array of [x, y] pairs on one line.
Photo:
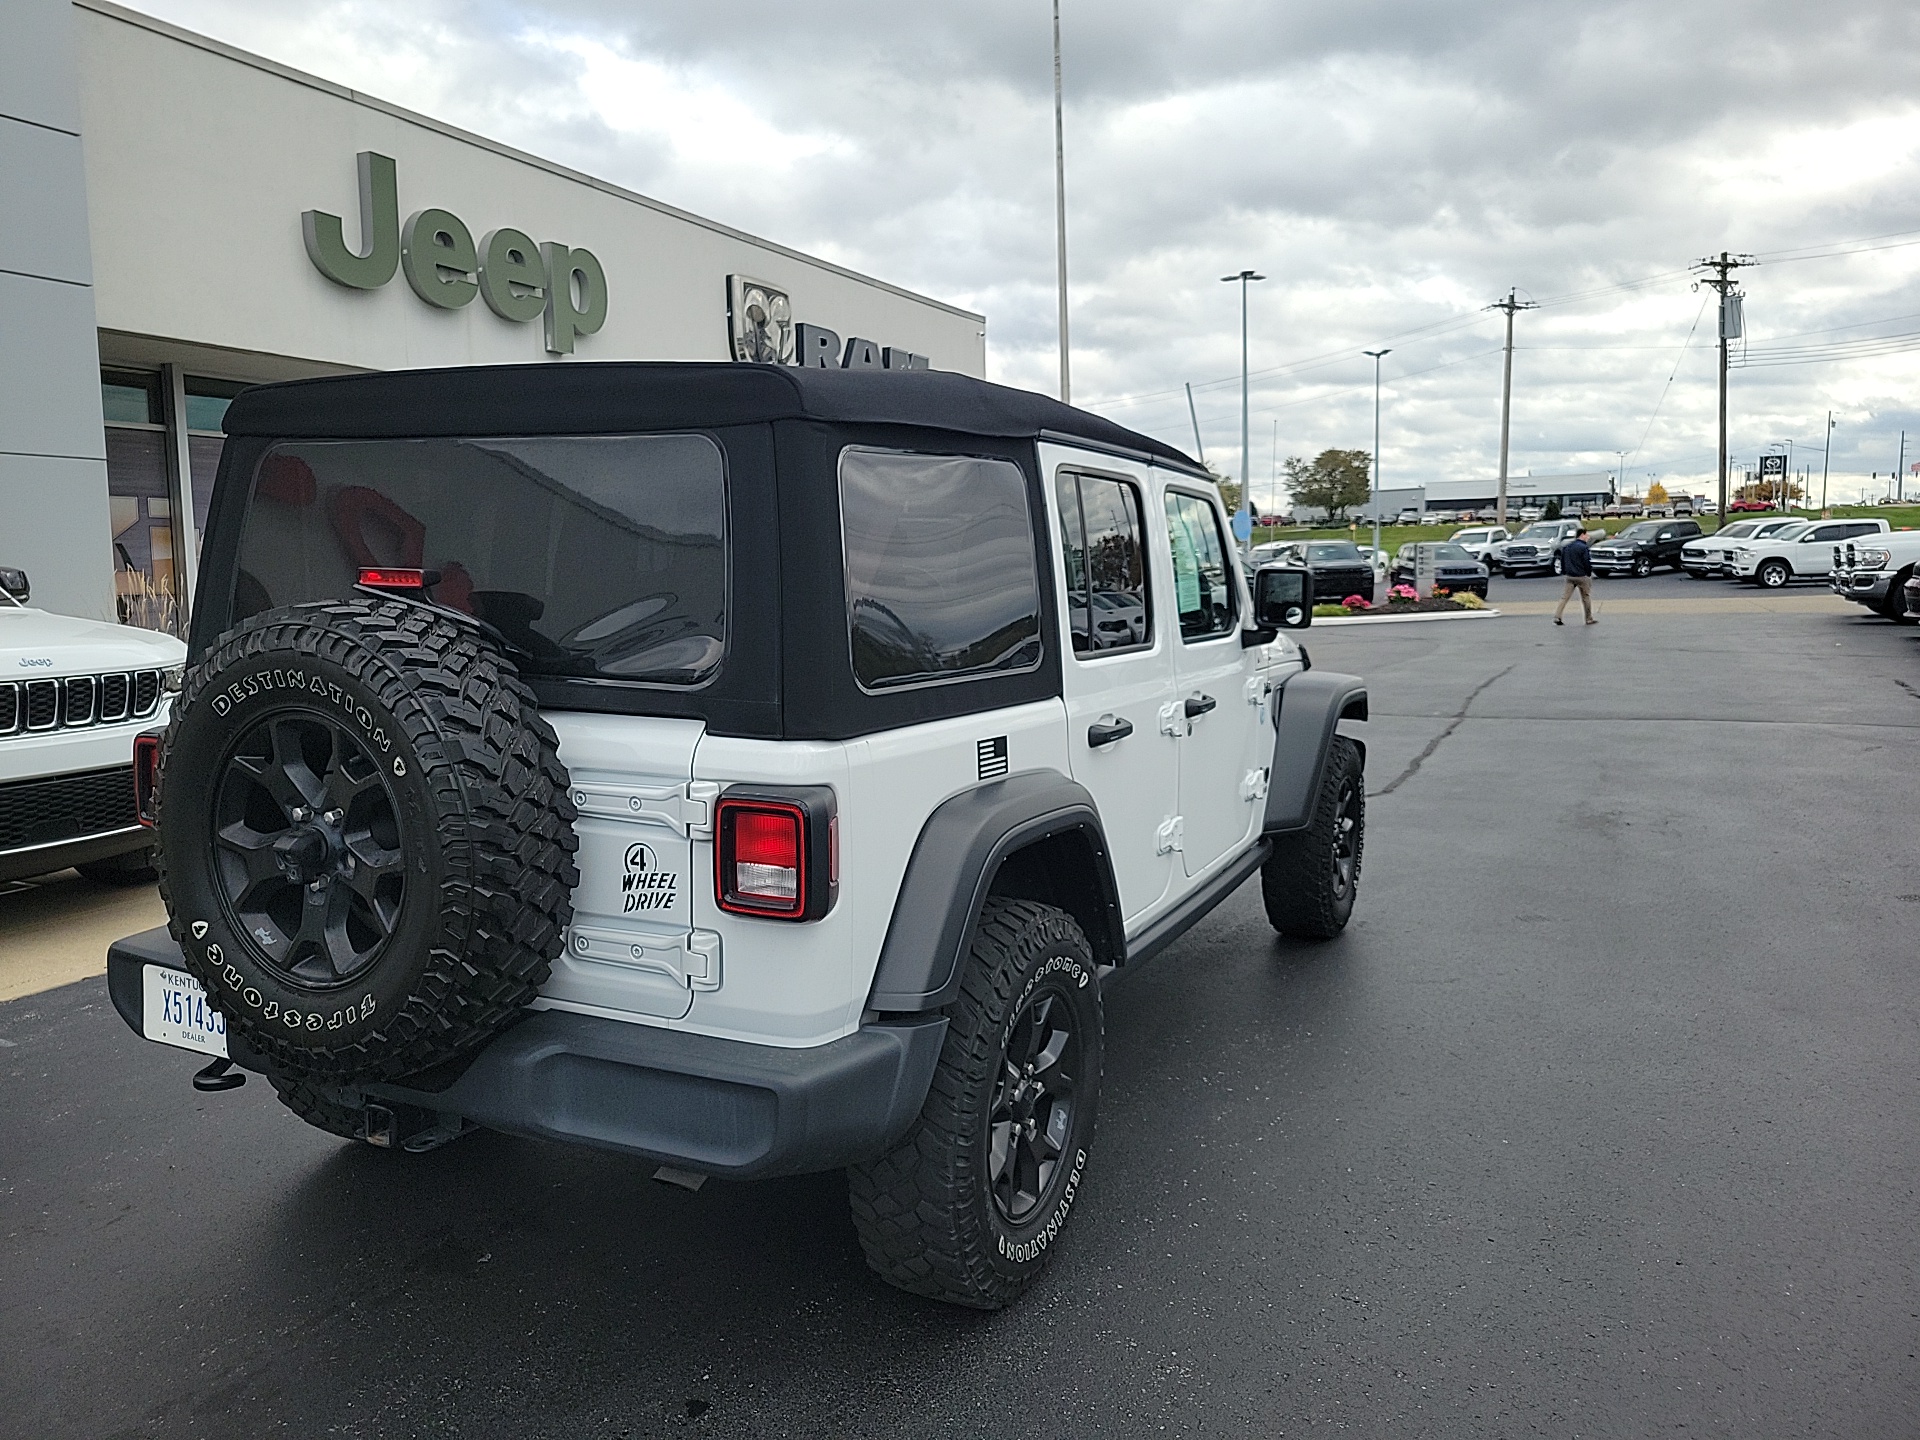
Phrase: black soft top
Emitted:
{"points": [[610, 397]]}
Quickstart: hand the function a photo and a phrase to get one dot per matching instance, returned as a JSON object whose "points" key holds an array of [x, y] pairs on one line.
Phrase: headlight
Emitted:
{"points": [[172, 678], [1873, 559]]}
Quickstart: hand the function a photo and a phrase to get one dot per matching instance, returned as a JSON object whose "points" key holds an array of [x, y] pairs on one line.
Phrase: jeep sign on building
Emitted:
{"points": [[185, 219]]}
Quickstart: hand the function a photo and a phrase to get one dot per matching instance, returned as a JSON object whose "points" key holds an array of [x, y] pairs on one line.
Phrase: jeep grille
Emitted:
{"points": [[73, 702]]}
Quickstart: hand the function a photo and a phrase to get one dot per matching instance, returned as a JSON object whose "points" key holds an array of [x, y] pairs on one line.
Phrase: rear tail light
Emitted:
{"points": [[146, 778], [393, 579], [774, 852]]}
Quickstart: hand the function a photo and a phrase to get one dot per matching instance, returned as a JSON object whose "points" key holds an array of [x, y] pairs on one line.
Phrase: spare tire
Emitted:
{"points": [[366, 840]]}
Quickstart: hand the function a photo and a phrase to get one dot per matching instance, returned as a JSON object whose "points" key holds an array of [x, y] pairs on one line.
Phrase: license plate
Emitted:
{"points": [[174, 1011]]}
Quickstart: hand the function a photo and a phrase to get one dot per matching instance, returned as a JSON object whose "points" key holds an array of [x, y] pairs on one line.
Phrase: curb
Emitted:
{"points": [[1407, 619]]}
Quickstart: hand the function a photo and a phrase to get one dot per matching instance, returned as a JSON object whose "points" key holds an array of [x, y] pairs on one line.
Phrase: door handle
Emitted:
{"points": [[1105, 732], [1199, 705]]}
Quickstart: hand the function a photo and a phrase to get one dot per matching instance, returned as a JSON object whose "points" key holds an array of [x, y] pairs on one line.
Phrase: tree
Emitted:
{"points": [[1656, 494], [1552, 512], [1229, 489], [1333, 480]]}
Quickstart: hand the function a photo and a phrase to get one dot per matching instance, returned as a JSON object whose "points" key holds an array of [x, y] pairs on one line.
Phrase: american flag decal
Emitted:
{"points": [[992, 756]]}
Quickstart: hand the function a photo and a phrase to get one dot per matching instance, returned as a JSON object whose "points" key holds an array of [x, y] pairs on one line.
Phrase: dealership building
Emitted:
{"points": [[185, 219]]}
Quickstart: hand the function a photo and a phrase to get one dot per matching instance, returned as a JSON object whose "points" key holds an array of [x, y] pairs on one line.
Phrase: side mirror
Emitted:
{"points": [[14, 582], [1283, 597]]}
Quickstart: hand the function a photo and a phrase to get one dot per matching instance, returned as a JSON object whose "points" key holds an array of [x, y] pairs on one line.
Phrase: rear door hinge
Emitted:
{"points": [[1172, 835], [1254, 785], [685, 809], [1174, 721]]}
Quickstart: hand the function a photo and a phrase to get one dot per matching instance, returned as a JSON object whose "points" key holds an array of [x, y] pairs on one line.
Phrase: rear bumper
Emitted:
{"points": [[715, 1107]]}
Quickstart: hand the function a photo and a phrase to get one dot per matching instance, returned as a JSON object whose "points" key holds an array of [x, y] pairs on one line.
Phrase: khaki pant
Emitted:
{"points": [[1582, 583]]}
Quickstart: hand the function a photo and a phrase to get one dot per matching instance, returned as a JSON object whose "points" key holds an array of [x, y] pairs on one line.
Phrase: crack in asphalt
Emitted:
{"points": [[1434, 744]]}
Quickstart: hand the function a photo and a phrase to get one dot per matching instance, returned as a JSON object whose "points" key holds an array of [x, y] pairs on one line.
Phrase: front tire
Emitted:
{"points": [[966, 1207], [1557, 567], [1642, 568], [1773, 574], [1310, 880]]}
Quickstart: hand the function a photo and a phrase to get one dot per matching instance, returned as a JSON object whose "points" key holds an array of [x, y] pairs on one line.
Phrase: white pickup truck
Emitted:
{"points": [[1873, 571], [73, 694]]}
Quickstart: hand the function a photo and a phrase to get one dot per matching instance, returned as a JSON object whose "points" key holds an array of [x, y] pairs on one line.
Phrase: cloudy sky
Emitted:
{"points": [[1392, 167]]}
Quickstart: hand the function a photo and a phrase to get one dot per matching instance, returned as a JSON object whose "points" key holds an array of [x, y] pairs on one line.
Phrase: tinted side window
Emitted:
{"points": [[1203, 588], [1103, 539], [941, 581], [1864, 528]]}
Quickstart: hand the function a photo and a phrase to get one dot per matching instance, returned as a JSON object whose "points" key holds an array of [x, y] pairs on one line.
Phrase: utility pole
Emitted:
{"points": [[1199, 450], [1510, 304], [1376, 354], [1246, 469], [1900, 475], [1620, 485], [1826, 453], [1731, 327], [1060, 206]]}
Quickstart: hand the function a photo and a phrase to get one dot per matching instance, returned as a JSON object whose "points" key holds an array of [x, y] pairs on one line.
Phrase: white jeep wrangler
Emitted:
{"points": [[758, 770]]}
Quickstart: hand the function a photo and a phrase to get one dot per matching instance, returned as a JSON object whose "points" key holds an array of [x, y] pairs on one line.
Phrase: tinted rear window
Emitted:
{"points": [[595, 556], [941, 577]]}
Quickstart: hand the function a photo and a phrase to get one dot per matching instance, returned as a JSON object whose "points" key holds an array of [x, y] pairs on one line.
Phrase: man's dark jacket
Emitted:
{"points": [[1576, 559]]}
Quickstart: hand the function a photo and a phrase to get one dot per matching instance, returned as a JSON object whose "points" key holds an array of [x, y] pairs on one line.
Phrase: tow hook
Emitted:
{"points": [[215, 1077]]}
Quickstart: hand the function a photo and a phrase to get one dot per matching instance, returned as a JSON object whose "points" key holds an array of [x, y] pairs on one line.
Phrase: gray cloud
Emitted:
{"points": [[1389, 164]]}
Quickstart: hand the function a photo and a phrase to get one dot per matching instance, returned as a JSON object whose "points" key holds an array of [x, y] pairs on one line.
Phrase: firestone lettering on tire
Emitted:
{"points": [[1028, 1250], [261, 682]]}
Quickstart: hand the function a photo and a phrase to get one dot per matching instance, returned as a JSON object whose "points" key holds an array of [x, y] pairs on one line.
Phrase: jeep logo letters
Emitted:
{"points": [[518, 278]]}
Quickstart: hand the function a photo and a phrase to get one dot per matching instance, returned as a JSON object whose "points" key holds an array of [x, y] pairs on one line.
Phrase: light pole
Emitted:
{"points": [[1376, 354], [1060, 206], [1621, 483], [1246, 470], [1826, 452]]}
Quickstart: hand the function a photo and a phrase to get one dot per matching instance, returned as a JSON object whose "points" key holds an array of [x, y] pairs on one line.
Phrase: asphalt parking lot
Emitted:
{"points": [[1601, 1120]]}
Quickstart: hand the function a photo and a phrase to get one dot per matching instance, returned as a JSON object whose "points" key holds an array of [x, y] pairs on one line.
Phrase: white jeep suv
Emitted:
{"points": [[752, 768], [73, 695]]}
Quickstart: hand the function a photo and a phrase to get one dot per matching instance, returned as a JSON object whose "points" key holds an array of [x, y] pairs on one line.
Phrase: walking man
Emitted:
{"points": [[1576, 563]]}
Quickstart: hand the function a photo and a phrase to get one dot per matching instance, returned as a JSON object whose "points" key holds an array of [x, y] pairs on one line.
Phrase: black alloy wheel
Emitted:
{"points": [[307, 848], [1346, 833], [1031, 1121]]}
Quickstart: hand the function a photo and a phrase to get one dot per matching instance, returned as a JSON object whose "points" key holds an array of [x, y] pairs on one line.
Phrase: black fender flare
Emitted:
{"points": [[1307, 711], [954, 863]]}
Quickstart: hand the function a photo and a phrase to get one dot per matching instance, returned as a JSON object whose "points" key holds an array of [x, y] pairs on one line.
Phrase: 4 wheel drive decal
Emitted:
{"points": [[238, 692]]}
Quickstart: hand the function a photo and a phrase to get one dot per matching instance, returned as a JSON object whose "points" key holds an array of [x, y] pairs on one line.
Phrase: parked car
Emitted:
{"points": [[1407, 517], [73, 695], [1377, 559], [1487, 544], [1749, 507], [1338, 567], [1442, 517], [1530, 513], [1682, 506], [1874, 572], [1797, 552], [567, 865], [1640, 549], [1454, 568], [1536, 549], [1709, 556]]}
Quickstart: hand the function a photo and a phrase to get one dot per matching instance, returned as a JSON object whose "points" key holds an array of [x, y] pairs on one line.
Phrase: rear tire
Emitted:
{"points": [[1312, 877], [962, 1209]]}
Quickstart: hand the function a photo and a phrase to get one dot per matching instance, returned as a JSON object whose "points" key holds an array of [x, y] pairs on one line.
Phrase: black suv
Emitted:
{"points": [[1637, 549], [1338, 568], [1454, 568]]}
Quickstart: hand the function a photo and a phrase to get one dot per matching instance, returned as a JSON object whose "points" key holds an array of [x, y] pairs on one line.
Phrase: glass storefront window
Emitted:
{"points": [[130, 397]]}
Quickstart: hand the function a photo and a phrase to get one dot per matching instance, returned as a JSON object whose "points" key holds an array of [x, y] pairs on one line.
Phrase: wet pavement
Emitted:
{"points": [[1601, 1120]]}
